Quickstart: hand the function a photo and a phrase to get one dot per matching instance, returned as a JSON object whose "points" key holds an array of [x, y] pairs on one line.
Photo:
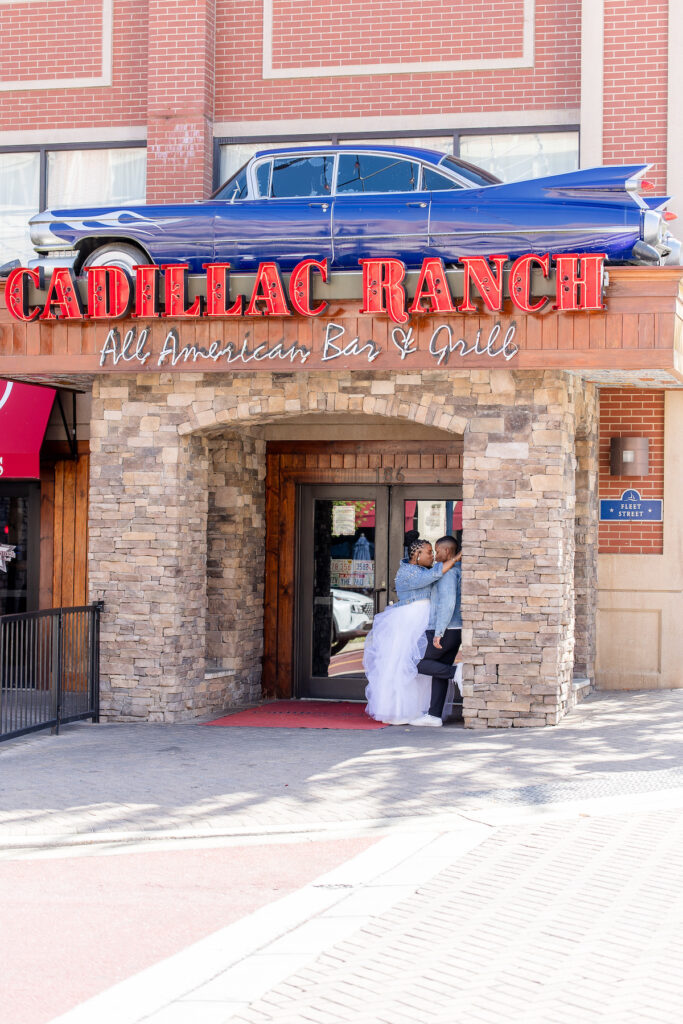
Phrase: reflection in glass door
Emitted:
{"points": [[343, 559]]}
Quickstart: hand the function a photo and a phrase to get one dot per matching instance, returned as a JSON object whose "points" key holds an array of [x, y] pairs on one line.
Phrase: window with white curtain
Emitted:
{"points": [[524, 155], [19, 200], [94, 177]]}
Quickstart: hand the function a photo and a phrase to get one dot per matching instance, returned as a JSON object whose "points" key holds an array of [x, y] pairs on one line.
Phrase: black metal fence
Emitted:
{"points": [[49, 669]]}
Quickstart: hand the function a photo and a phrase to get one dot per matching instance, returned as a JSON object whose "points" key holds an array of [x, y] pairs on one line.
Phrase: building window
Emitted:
{"points": [[61, 176], [96, 177], [19, 200], [525, 155]]}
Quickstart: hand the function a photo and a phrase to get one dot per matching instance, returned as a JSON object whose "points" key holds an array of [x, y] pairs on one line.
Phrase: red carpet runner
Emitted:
{"points": [[303, 714]]}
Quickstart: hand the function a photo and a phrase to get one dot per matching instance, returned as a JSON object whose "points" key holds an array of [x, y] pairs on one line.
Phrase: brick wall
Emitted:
{"points": [[56, 40], [375, 33], [180, 100], [635, 84], [627, 412]]}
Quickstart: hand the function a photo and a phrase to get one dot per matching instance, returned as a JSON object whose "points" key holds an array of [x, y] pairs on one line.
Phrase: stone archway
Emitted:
{"points": [[149, 506]]}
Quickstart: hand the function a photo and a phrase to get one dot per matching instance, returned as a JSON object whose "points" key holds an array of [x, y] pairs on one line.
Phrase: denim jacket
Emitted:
{"points": [[444, 612], [413, 581]]}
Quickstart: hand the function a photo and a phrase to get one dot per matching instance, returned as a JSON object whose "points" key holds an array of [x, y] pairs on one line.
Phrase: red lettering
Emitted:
{"points": [[478, 271], [382, 288], [146, 290], [268, 290], [218, 291], [175, 292], [63, 293], [109, 294], [520, 282], [579, 280], [433, 286], [16, 292], [300, 287]]}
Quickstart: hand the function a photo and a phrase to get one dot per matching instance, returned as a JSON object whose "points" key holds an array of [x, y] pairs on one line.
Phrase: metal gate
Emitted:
{"points": [[49, 668]]}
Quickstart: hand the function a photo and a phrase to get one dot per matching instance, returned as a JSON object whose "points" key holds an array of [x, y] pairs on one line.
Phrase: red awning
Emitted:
{"points": [[24, 412]]}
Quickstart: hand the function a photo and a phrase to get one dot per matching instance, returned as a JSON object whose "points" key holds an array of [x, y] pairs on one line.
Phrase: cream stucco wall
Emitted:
{"points": [[640, 597]]}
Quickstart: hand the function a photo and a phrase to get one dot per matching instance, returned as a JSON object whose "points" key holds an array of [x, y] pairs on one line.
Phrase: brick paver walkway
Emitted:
{"points": [[563, 923]]}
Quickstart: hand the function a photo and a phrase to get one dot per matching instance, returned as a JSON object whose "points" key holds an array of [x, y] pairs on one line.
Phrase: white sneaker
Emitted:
{"points": [[426, 720], [398, 721]]}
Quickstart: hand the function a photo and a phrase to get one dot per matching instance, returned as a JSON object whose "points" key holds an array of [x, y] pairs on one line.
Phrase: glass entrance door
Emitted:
{"points": [[20, 538], [343, 557], [350, 542]]}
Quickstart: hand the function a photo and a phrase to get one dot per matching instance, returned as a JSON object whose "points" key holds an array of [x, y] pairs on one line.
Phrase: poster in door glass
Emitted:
{"points": [[432, 519], [343, 584]]}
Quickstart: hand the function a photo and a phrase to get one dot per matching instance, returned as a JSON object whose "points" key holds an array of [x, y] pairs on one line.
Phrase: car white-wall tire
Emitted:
{"points": [[116, 254]]}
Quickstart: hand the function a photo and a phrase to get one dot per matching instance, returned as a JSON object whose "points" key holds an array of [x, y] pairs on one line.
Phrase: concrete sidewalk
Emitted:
{"points": [[109, 783], [533, 877]]}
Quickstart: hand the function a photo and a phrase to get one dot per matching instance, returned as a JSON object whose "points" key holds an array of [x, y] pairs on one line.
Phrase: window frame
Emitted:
{"points": [[341, 138]]}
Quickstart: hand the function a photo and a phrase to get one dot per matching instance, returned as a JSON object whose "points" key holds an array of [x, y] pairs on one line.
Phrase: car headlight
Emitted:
{"points": [[358, 609], [653, 227]]}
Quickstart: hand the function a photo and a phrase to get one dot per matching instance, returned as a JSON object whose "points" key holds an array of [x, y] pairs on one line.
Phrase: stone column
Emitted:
{"points": [[586, 533], [147, 550], [518, 560], [236, 556]]}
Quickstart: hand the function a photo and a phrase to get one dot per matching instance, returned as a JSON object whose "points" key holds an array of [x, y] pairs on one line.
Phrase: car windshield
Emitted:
{"points": [[474, 174], [235, 187]]}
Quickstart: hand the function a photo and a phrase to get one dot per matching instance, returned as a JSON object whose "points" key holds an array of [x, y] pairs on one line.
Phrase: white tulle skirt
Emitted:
{"points": [[395, 690]]}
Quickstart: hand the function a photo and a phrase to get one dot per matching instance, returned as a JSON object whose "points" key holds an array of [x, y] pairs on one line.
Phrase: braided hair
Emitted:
{"points": [[416, 545]]}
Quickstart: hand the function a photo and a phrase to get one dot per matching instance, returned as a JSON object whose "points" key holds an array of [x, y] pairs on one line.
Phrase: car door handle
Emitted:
{"points": [[323, 206], [423, 206]]}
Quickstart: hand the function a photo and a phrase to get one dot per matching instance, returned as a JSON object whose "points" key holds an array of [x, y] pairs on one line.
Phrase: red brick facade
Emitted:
{"points": [[635, 85], [630, 412], [179, 69]]}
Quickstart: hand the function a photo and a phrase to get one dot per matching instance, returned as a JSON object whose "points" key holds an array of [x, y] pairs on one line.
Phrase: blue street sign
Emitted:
{"points": [[631, 507]]}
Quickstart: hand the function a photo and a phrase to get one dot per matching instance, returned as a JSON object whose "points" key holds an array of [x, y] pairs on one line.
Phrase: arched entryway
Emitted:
{"points": [[178, 526]]}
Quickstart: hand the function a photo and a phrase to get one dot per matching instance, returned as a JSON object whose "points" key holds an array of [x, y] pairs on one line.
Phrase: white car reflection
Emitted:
{"points": [[351, 616]]}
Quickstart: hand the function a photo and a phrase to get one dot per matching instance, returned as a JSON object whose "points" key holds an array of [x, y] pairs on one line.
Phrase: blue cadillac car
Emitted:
{"points": [[344, 203]]}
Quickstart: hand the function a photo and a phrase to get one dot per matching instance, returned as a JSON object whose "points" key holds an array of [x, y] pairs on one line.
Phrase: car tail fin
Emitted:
{"points": [[604, 184]]}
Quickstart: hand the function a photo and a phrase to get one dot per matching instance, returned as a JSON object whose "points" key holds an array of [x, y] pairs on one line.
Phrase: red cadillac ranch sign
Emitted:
{"points": [[162, 291]]}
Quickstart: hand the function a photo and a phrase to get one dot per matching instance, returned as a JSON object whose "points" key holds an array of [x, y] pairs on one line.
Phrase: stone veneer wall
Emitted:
{"points": [[586, 533], [151, 481], [235, 567]]}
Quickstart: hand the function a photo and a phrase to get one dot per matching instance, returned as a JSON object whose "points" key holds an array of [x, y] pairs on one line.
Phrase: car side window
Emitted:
{"points": [[432, 181], [295, 176], [365, 172]]}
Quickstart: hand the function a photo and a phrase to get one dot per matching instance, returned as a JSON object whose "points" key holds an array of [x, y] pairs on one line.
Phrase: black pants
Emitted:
{"points": [[439, 665]]}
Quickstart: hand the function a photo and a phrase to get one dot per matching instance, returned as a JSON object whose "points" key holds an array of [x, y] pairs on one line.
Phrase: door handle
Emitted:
{"points": [[323, 206], [381, 590], [423, 206]]}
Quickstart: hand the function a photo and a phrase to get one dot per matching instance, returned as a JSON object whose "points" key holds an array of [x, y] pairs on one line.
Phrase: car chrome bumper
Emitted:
{"points": [[48, 263]]}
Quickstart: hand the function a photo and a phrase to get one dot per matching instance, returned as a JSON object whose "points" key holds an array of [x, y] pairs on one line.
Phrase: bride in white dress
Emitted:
{"points": [[396, 693]]}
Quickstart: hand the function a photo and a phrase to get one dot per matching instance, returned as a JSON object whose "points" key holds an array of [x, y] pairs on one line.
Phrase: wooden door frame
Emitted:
{"points": [[291, 463]]}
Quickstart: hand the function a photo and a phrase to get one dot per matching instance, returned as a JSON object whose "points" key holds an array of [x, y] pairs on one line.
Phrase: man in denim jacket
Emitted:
{"points": [[444, 633]]}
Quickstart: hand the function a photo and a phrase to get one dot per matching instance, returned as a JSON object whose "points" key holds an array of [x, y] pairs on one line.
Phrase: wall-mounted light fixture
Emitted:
{"points": [[629, 456]]}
